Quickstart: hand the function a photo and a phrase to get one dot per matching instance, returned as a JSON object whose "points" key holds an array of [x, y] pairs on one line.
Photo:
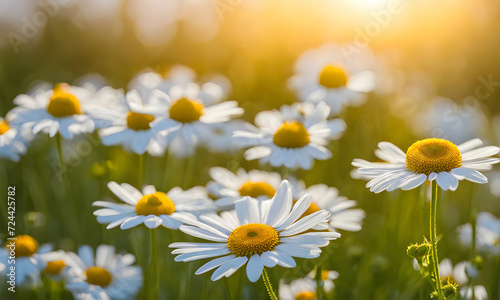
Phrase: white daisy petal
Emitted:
{"points": [[470, 175], [269, 259], [228, 268], [247, 210], [298, 209], [447, 181], [432, 176], [132, 222], [201, 254], [284, 259], [480, 153], [202, 233], [306, 223], [414, 182], [469, 145], [122, 193], [214, 264], [255, 267], [281, 205], [152, 221]]}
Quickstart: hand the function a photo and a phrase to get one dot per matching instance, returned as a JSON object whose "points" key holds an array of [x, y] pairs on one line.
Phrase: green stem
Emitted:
{"points": [[141, 170], [189, 171], [165, 175], [70, 209], [434, 253], [153, 266], [62, 164], [319, 282], [268, 285]]}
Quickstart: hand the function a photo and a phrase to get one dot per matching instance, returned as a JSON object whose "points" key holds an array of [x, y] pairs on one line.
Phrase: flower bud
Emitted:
{"points": [[418, 251], [450, 290]]}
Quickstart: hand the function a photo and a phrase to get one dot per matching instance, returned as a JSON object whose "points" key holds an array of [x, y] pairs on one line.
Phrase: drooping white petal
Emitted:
{"points": [[255, 267]]}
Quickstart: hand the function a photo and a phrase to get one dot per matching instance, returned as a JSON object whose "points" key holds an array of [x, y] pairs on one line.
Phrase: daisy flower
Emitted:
{"points": [[60, 110], [187, 114], [292, 137], [328, 198], [487, 233], [229, 187], [257, 234], [302, 289], [428, 159], [29, 262], [453, 274], [151, 207], [108, 276], [56, 262], [133, 130], [327, 277], [12, 142], [326, 74]]}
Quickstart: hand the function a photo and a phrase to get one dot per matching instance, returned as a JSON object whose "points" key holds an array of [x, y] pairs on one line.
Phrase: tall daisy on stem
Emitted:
{"points": [[258, 234], [292, 137], [436, 160]]}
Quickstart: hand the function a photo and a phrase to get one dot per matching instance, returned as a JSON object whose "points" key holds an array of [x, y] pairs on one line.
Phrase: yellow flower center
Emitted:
{"points": [[63, 103], [4, 127], [433, 155], [55, 267], [25, 245], [249, 239], [185, 110], [98, 276], [305, 296], [332, 77], [291, 135], [256, 189], [324, 275], [137, 121], [155, 204]]}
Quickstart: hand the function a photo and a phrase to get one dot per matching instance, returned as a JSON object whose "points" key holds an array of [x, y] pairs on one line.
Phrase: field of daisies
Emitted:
{"points": [[216, 149]]}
